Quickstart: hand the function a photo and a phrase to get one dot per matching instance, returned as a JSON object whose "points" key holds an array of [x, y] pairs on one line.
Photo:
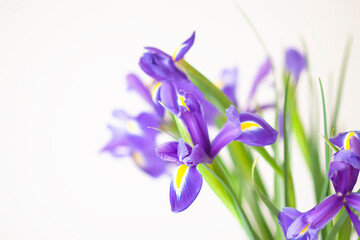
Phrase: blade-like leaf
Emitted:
{"points": [[335, 148], [228, 198], [273, 209]]}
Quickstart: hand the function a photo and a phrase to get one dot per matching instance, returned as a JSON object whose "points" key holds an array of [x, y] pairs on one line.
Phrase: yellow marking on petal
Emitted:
{"points": [[179, 175], [305, 229], [139, 159], [219, 84], [182, 101], [249, 125], [347, 140], [177, 51], [155, 90], [133, 127]]}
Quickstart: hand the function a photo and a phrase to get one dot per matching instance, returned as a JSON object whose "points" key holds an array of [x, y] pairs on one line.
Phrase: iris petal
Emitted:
{"points": [[168, 151], [325, 211], [264, 70], [228, 132], [295, 63], [255, 131], [184, 187], [354, 201], [339, 140], [354, 219], [184, 48]]}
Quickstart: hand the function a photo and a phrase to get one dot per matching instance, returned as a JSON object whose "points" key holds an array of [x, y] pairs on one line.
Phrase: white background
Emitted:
{"points": [[62, 69]]}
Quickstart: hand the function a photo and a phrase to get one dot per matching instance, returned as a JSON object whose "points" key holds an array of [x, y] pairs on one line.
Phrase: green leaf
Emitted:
{"points": [[182, 130], [327, 151], [288, 188], [270, 160], [273, 209], [345, 230], [335, 148], [165, 132], [337, 226], [227, 197], [211, 92]]}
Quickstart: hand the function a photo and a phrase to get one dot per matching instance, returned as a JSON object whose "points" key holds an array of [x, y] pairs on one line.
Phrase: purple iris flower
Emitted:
{"points": [[187, 181], [343, 173], [295, 63], [347, 141], [135, 139], [162, 68]]}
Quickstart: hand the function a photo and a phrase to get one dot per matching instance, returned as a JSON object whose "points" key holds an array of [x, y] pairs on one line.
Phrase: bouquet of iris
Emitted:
{"points": [[184, 104]]}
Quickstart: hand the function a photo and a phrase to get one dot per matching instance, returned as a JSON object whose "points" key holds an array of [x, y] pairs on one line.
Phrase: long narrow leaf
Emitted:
{"points": [[227, 196], [273, 209], [270, 160], [290, 202], [335, 148], [337, 226], [211, 92], [327, 155]]}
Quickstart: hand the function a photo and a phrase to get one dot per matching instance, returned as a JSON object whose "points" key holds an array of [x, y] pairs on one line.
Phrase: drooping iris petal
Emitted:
{"points": [[184, 48], [184, 187], [118, 145], [353, 200], [286, 217], [255, 131], [168, 151], [342, 140], [148, 161], [315, 219], [298, 228], [354, 219], [325, 211], [228, 132], [191, 114], [159, 65], [294, 63], [264, 70]]}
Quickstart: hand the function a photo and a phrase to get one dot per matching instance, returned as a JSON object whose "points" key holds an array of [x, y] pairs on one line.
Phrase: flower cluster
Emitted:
{"points": [[343, 173], [184, 104]]}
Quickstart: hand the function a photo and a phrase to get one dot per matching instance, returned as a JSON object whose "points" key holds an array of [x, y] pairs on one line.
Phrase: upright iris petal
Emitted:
{"points": [[183, 48], [159, 65], [295, 63], [342, 140], [191, 114], [264, 70]]}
